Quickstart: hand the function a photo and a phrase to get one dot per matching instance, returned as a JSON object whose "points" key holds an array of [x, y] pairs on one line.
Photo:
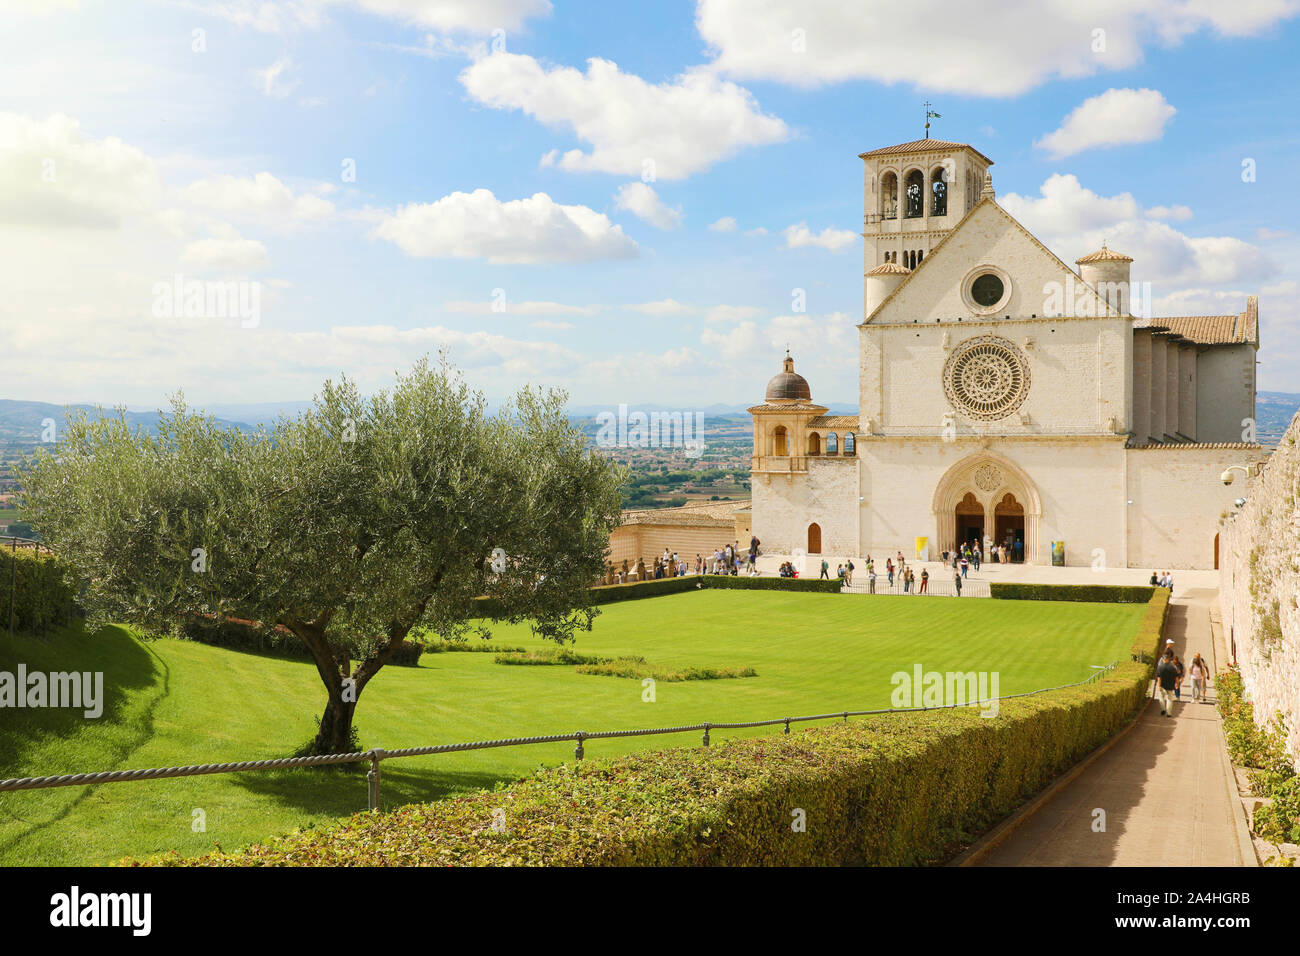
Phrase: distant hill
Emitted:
{"points": [[22, 423], [1273, 413]]}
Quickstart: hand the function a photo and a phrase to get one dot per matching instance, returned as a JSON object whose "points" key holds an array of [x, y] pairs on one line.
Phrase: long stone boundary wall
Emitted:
{"points": [[1259, 586]]}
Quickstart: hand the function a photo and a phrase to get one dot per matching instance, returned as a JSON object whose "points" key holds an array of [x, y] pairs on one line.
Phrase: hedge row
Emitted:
{"points": [[42, 587], [893, 790], [635, 590], [1097, 593], [828, 586], [241, 635]]}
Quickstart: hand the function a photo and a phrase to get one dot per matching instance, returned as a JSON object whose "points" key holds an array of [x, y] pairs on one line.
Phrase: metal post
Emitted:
{"points": [[578, 751], [372, 778], [787, 725], [707, 725]]}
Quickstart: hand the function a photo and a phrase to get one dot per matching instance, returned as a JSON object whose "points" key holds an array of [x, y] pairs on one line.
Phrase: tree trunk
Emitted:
{"points": [[335, 734]]}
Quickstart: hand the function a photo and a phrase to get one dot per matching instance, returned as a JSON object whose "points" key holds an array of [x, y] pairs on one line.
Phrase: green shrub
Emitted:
{"points": [[746, 583], [637, 667], [258, 638], [44, 595], [548, 655], [1279, 821], [1096, 593], [890, 790]]}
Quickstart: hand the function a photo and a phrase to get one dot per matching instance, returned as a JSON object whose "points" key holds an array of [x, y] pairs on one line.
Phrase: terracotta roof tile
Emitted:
{"points": [[923, 146]]}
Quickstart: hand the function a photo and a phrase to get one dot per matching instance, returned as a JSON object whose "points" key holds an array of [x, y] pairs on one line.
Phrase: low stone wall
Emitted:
{"points": [[1259, 589]]}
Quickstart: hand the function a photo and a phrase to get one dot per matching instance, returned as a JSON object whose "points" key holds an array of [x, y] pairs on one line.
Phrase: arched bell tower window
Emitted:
{"points": [[939, 190], [915, 195], [889, 196]]}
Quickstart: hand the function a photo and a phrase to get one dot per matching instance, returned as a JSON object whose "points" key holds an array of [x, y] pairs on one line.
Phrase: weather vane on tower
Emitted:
{"points": [[929, 114]]}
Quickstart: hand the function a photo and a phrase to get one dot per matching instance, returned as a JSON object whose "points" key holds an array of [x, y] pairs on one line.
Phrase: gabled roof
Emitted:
{"points": [[1103, 307], [923, 146], [1214, 329]]}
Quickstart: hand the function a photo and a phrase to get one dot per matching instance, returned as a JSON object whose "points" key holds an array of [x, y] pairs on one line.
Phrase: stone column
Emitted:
{"points": [[1158, 387], [1141, 423]]}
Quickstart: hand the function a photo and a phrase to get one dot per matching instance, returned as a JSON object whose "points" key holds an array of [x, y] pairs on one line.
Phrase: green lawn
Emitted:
{"points": [[175, 702]]}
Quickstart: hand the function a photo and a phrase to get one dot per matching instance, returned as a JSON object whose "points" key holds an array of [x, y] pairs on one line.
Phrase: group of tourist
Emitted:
{"points": [[1163, 580], [1169, 679], [727, 559]]}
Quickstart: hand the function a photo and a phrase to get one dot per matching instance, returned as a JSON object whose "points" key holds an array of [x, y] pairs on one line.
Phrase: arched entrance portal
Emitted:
{"points": [[970, 520], [814, 538], [1009, 526], [989, 497]]}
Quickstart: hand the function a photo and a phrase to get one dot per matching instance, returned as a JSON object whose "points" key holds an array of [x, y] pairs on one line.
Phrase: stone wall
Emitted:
{"points": [[1259, 593]]}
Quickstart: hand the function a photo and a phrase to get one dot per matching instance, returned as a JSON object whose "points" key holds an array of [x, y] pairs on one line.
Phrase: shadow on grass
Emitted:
{"points": [[136, 681], [340, 792]]}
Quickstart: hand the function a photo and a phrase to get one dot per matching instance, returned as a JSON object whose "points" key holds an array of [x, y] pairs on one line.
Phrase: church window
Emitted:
{"points": [[939, 188], [889, 196], [915, 195], [850, 444], [832, 444], [986, 378], [987, 290]]}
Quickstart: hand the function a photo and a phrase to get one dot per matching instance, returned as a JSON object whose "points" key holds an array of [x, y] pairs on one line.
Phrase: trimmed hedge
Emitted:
{"points": [[241, 635], [893, 790], [44, 595], [1096, 593], [743, 583]]}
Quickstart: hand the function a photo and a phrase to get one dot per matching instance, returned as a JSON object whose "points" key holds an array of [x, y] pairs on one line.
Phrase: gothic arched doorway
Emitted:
{"points": [[814, 538], [1009, 526], [970, 520]]}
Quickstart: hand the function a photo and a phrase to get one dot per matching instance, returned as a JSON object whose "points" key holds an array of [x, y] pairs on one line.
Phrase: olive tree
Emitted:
{"points": [[349, 525]]}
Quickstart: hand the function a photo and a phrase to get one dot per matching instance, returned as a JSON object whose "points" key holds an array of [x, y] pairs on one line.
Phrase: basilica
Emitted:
{"points": [[1005, 398]]}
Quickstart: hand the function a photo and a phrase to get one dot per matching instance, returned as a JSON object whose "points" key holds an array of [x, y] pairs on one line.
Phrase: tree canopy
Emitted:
{"points": [[349, 524]]}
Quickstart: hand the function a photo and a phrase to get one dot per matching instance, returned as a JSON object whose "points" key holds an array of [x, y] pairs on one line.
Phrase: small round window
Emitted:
{"points": [[987, 290]]}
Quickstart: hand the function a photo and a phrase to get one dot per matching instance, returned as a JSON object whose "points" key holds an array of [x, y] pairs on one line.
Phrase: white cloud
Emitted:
{"points": [[551, 326], [829, 238], [1028, 41], [756, 231], [505, 306], [477, 225], [725, 224], [1074, 221], [1114, 118], [470, 16], [1265, 234], [51, 176], [260, 195], [1172, 213], [644, 203], [226, 251], [274, 80], [677, 128], [661, 307]]}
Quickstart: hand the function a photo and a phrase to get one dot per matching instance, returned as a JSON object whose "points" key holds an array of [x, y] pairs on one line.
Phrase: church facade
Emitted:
{"points": [[1006, 398]]}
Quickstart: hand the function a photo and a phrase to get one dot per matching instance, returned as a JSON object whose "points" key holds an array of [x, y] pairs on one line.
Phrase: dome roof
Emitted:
{"points": [[788, 385], [1104, 255], [890, 269]]}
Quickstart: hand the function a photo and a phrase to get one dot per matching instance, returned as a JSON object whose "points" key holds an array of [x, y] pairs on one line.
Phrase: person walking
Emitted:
{"points": [[965, 566], [1178, 688], [1167, 680], [826, 569], [848, 572], [925, 580], [956, 580], [889, 570], [871, 578], [1198, 672]]}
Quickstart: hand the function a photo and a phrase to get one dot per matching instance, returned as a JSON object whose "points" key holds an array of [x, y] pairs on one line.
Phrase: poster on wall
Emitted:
{"points": [[1058, 554], [923, 549]]}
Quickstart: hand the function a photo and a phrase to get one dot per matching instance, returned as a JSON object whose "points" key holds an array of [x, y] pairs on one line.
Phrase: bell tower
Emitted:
{"points": [[914, 194]]}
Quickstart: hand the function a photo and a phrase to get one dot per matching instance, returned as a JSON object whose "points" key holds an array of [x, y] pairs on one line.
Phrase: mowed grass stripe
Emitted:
{"points": [[176, 702]]}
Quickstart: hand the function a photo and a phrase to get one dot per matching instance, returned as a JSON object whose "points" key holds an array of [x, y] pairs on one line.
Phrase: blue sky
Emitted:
{"points": [[141, 140]]}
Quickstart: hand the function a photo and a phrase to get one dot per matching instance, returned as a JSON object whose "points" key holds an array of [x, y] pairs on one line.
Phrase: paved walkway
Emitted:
{"points": [[1164, 786]]}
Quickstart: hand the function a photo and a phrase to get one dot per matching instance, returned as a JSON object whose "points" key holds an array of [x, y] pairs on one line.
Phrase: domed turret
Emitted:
{"points": [[883, 280], [1107, 271], [788, 385]]}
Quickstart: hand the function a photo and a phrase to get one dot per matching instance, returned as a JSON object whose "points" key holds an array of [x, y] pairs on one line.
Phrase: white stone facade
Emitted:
{"points": [[1007, 397]]}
